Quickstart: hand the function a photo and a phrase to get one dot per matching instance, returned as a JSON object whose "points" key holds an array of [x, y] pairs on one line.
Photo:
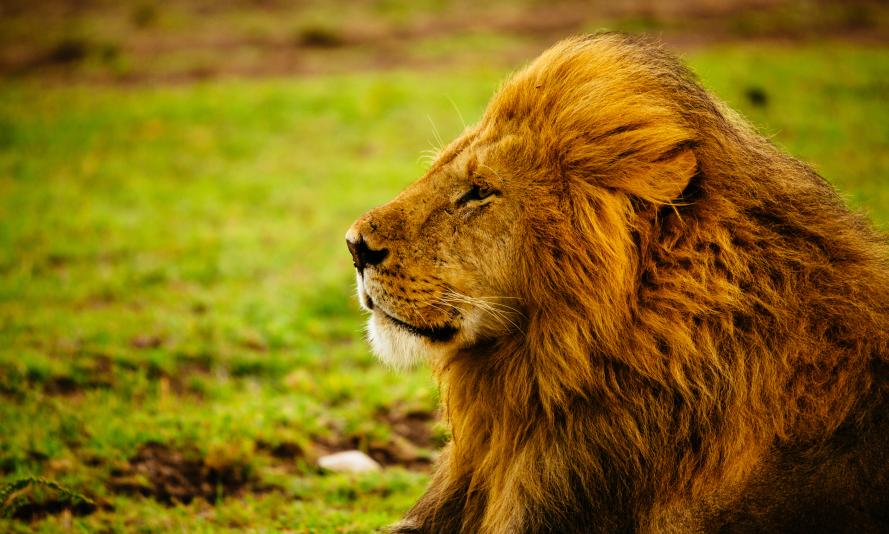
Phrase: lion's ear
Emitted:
{"points": [[663, 179], [675, 173]]}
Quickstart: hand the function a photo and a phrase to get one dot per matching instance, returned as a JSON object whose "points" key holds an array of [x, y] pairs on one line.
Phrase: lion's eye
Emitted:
{"points": [[477, 192]]}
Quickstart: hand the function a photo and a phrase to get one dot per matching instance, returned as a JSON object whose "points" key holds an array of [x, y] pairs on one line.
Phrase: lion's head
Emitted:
{"points": [[538, 202]]}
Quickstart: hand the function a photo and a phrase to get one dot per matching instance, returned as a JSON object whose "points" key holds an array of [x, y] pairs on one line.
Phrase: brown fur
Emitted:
{"points": [[689, 331]]}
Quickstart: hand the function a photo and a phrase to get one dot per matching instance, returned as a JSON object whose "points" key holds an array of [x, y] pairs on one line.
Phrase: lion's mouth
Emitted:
{"points": [[434, 333], [439, 334]]}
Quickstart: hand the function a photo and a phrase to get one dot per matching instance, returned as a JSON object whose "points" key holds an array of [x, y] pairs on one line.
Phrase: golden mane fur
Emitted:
{"points": [[698, 328]]}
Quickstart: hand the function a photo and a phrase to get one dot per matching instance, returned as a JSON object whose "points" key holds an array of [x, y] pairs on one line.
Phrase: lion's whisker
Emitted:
{"points": [[438, 138], [484, 301], [460, 115], [498, 311]]}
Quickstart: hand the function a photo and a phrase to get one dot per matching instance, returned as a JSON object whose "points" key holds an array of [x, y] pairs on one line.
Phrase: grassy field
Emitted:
{"points": [[179, 339]]}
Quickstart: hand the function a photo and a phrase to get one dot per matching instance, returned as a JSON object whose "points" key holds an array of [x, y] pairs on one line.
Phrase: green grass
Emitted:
{"points": [[172, 272]]}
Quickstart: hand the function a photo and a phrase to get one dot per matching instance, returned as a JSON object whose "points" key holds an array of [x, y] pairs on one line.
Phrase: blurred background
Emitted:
{"points": [[179, 340]]}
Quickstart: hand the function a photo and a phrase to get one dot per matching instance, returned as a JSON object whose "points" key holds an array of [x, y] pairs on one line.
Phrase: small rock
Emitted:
{"points": [[349, 462]]}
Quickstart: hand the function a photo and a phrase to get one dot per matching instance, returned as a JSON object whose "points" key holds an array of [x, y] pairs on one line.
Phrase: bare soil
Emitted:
{"points": [[171, 476], [31, 511]]}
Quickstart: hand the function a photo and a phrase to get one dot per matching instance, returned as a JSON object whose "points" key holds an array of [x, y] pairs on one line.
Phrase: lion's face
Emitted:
{"points": [[433, 265]]}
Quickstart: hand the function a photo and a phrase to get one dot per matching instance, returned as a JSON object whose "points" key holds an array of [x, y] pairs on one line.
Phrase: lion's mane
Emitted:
{"points": [[707, 328]]}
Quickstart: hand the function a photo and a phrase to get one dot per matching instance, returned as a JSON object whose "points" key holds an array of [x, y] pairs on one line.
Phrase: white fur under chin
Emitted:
{"points": [[393, 345]]}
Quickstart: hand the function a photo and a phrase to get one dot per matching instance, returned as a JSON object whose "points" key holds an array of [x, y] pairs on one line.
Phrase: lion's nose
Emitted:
{"points": [[364, 256]]}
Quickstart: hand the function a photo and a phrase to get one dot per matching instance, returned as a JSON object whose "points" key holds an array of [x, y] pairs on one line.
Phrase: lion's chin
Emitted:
{"points": [[396, 345]]}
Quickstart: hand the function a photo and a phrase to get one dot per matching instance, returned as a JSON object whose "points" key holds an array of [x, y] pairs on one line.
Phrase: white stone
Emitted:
{"points": [[349, 462]]}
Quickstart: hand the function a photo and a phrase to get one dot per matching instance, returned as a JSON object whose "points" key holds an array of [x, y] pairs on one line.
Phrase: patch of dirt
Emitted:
{"points": [[171, 476], [31, 511], [411, 443], [61, 385], [91, 371], [282, 451], [146, 341], [36, 498], [400, 451], [415, 426], [86, 372]]}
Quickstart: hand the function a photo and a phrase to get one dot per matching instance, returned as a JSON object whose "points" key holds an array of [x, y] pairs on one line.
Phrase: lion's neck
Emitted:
{"points": [[510, 413]]}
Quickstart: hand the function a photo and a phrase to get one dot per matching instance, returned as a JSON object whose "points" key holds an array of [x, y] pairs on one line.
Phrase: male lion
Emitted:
{"points": [[643, 316]]}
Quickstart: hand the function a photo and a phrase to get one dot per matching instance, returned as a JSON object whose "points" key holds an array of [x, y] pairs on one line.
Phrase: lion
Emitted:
{"points": [[643, 316]]}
